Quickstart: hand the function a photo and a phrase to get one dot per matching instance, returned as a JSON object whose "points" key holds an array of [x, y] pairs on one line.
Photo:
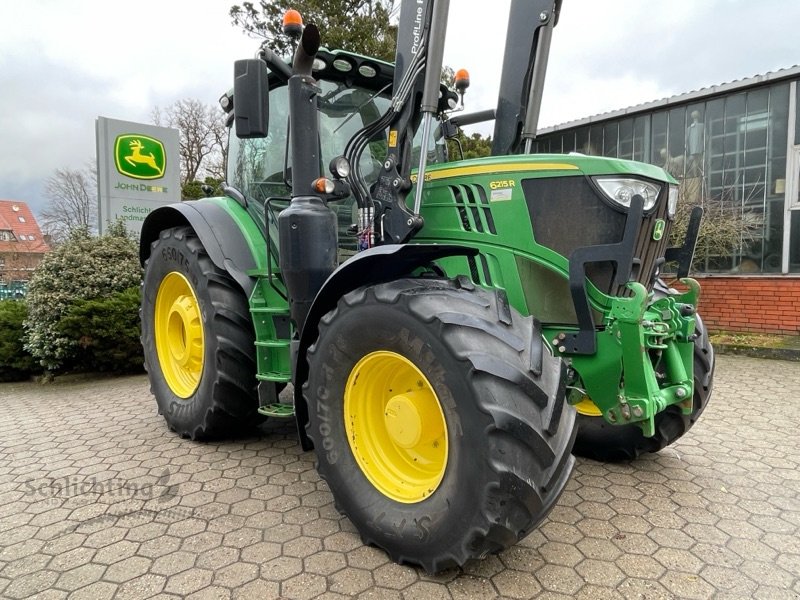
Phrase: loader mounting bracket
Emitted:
{"points": [[584, 340]]}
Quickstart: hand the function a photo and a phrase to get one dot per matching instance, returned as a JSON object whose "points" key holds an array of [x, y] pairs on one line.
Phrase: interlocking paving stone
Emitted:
{"points": [[99, 500]]}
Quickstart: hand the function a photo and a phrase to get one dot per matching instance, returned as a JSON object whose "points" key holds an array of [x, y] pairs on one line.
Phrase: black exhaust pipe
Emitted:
{"points": [[307, 228]]}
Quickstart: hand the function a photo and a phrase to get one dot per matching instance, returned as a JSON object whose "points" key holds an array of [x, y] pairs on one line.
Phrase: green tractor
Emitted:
{"points": [[451, 328]]}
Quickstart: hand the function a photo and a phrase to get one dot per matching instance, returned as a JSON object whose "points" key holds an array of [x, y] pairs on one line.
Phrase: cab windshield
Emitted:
{"points": [[256, 166]]}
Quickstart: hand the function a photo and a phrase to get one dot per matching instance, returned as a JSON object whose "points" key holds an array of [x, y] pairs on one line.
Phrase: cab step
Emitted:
{"points": [[277, 410]]}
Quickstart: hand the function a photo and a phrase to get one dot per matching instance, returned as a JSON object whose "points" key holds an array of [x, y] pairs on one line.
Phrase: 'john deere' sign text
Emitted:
{"points": [[139, 156], [138, 170]]}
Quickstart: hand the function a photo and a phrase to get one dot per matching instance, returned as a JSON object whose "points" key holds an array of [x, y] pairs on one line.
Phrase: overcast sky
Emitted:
{"points": [[62, 64]]}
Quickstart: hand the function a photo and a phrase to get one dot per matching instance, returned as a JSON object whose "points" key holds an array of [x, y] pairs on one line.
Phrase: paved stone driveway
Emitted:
{"points": [[98, 500]]}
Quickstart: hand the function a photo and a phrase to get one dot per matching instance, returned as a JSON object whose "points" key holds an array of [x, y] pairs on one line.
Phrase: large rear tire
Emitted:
{"points": [[198, 340], [439, 419], [604, 442]]}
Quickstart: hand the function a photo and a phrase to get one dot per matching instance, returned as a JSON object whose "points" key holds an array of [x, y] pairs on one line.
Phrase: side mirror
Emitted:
{"points": [[250, 98]]}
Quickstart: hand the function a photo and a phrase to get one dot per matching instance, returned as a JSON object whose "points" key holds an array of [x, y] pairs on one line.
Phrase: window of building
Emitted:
{"points": [[21, 219], [754, 160], [7, 235], [675, 161], [695, 139], [778, 140], [755, 251], [794, 180], [794, 248], [595, 145], [641, 138], [797, 116], [582, 140], [568, 144], [732, 146], [610, 139], [625, 149], [658, 139], [715, 150], [793, 191]]}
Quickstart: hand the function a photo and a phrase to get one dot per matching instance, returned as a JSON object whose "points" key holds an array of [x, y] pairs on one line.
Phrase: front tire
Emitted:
{"points": [[198, 340], [604, 442], [439, 419]]}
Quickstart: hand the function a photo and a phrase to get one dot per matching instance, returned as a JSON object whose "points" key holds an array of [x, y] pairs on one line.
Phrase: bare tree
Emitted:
{"points": [[202, 136], [72, 195], [215, 166], [728, 226]]}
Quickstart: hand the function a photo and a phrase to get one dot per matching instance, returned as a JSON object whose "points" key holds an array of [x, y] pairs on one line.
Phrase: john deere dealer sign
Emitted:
{"points": [[138, 167]]}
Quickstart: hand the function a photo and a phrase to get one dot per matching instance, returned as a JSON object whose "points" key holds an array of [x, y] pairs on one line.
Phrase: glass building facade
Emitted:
{"points": [[734, 148]]}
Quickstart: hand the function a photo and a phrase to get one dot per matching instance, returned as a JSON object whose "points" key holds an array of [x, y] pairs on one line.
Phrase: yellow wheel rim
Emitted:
{"points": [[588, 408], [395, 426], [179, 334]]}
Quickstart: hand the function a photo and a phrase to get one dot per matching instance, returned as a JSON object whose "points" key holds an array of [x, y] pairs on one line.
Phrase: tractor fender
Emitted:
{"points": [[220, 235], [375, 265]]}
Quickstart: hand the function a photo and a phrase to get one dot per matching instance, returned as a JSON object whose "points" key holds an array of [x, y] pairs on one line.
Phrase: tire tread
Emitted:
{"points": [[233, 403], [534, 462]]}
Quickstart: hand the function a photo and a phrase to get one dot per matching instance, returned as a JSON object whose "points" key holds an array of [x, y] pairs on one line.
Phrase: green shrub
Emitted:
{"points": [[15, 363], [84, 268], [107, 332]]}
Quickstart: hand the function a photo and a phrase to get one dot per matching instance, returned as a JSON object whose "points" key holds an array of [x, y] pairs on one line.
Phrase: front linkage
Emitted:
{"points": [[655, 342], [640, 360]]}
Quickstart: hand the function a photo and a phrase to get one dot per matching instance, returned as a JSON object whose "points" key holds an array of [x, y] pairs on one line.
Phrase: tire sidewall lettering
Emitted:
{"points": [[173, 255]]}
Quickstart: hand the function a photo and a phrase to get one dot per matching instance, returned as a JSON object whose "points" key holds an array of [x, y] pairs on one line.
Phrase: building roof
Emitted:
{"points": [[16, 216], [702, 93]]}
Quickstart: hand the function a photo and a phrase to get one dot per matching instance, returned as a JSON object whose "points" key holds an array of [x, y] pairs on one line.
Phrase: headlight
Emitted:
{"points": [[340, 167], [672, 201], [620, 190]]}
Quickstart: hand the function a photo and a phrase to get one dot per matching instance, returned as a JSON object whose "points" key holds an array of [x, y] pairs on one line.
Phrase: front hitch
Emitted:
{"points": [[656, 350], [644, 359]]}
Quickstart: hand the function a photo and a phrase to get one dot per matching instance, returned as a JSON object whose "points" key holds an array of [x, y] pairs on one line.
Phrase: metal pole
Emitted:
{"points": [[423, 159], [537, 82], [430, 93]]}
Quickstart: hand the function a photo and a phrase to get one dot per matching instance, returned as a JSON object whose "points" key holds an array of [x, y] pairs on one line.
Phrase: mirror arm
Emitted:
{"points": [[276, 64]]}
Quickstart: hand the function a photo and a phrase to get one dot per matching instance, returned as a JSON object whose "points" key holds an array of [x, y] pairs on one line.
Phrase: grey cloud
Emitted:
{"points": [[47, 114], [680, 45]]}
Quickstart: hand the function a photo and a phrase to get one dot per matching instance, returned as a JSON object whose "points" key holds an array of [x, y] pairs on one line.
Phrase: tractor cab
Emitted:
{"points": [[354, 91]]}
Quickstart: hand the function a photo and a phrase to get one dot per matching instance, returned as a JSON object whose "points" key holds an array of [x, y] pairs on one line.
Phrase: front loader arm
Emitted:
{"points": [[530, 26], [418, 64]]}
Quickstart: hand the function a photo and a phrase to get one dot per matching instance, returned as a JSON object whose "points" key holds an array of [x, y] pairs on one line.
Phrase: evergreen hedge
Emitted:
{"points": [[83, 307], [106, 331], [16, 364]]}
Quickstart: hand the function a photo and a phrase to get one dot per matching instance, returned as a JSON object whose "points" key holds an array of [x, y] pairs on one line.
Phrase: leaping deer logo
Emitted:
{"points": [[139, 156], [136, 157]]}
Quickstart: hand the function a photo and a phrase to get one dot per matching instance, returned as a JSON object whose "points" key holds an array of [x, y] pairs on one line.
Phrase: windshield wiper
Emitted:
{"points": [[362, 105]]}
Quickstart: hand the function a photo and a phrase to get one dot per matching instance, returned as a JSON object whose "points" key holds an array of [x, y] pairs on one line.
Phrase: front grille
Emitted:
{"points": [[568, 213]]}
